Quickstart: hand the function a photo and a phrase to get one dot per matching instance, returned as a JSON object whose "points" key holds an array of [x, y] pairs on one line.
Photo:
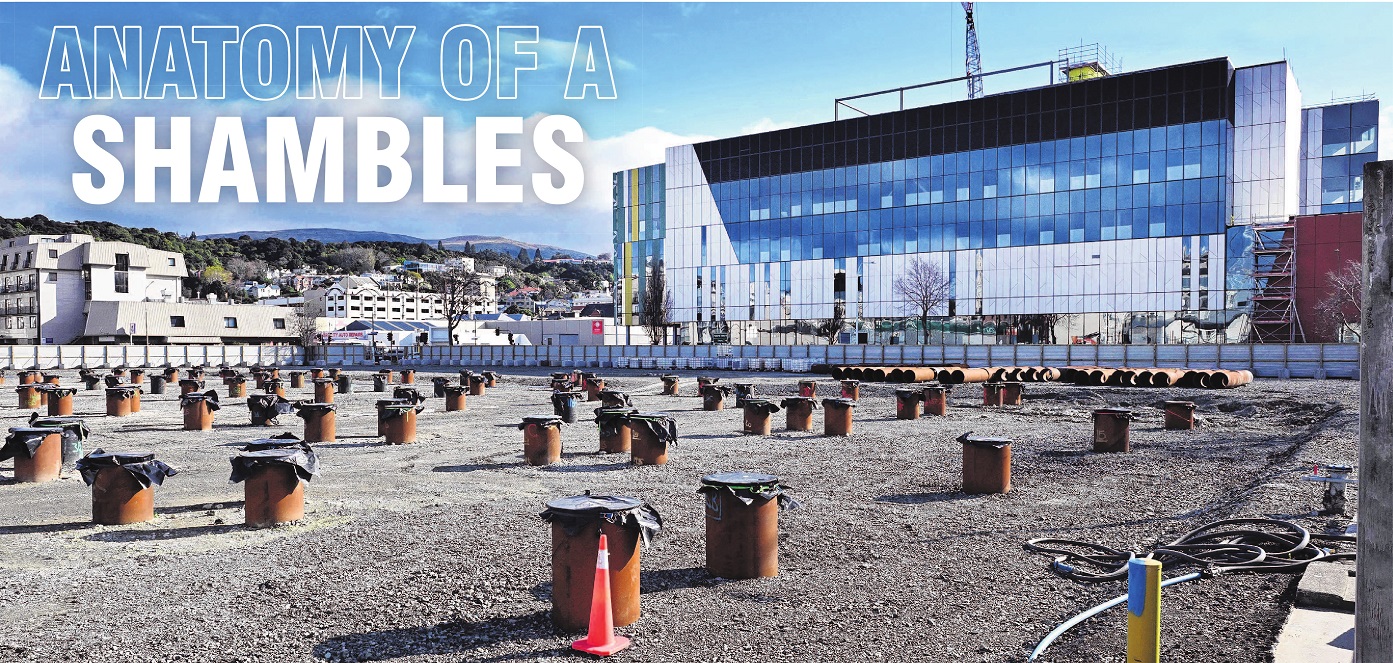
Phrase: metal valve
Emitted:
{"points": [[1335, 480]]}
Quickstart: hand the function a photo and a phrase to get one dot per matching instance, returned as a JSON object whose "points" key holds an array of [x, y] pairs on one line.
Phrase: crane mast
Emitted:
{"points": [[974, 56]]}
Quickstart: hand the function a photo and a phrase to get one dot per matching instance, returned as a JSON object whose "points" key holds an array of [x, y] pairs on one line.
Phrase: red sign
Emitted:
{"points": [[597, 326]]}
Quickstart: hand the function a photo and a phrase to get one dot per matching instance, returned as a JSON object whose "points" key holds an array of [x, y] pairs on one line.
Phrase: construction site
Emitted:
{"points": [[936, 518]]}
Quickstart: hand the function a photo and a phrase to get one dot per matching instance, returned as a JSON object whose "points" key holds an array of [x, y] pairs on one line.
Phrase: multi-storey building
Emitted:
{"points": [[365, 299], [49, 282], [1120, 208]]}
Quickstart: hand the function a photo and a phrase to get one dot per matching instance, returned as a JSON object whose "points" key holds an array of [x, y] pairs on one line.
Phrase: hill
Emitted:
{"points": [[325, 235], [506, 245], [336, 235]]}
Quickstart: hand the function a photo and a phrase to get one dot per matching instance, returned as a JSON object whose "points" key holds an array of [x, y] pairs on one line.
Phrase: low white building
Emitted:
{"points": [[189, 322], [48, 283]]}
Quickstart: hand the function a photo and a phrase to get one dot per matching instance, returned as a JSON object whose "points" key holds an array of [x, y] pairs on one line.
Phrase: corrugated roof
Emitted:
{"points": [[200, 320], [390, 325]]}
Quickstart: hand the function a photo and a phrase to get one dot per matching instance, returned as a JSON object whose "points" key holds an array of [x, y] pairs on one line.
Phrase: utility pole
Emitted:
{"points": [[1373, 616]]}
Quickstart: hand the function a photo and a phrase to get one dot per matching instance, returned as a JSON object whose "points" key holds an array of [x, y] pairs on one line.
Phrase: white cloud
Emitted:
{"points": [[37, 163], [764, 124]]}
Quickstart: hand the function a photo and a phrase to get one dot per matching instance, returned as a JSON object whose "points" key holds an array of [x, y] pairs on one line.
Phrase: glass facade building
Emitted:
{"points": [[1112, 210]]}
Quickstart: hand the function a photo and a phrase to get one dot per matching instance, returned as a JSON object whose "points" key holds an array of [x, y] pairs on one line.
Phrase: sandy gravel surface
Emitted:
{"points": [[434, 552]]}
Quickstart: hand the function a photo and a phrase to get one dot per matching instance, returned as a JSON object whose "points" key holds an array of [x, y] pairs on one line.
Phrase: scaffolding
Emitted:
{"points": [[1274, 274], [1087, 61]]}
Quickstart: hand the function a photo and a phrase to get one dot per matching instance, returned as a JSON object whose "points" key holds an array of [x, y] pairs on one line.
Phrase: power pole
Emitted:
{"points": [[1373, 616]]}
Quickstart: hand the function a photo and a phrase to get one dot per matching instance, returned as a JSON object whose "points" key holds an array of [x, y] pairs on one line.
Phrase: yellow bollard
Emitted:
{"points": [[1143, 611]]}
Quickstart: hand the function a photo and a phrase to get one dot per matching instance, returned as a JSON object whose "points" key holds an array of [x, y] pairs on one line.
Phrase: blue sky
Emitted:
{"points": [[683, 72]]}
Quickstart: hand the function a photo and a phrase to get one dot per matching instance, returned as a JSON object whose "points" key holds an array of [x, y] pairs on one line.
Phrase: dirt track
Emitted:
{"points": [[434, 551]]}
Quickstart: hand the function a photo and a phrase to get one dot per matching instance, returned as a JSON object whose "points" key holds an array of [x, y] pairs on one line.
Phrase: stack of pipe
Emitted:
{"points": [[1155, 377], [1024, 373], [900, 374]]}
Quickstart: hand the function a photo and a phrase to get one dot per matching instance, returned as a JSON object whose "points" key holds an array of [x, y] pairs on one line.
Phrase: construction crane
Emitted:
{"points": [[974, 56]]}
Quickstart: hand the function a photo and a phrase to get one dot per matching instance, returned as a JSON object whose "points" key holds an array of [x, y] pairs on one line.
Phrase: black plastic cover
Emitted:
{"points": [[762, 405], [984, 442], [578, 511], [24, 440], [838, 402], [141, 465], [749, 487], [661, 426], [540, 420], [609, 419], [122, 392], [793, 400], [269, 406], [305, 407], [305, 462], [614, 395], [210, 398]]}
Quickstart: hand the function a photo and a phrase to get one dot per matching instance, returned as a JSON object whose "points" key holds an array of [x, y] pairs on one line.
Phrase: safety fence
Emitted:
{"points": [[1314, 360], [1311, 360], [145, 356]]}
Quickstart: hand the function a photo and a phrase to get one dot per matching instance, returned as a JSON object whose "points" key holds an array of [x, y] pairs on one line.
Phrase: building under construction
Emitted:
{"points": [[1155, 206]]}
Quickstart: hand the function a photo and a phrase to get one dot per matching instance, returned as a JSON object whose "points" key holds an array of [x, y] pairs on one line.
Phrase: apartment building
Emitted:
{"points": [[48, 282]]}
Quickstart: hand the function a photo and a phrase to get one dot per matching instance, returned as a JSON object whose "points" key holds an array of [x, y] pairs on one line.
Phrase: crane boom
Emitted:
{"points": [[974, 56]]}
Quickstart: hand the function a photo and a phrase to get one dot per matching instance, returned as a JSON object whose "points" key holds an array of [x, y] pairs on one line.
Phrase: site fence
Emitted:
{"points": [[1296, 360], [1311, 360], [145, 356]]}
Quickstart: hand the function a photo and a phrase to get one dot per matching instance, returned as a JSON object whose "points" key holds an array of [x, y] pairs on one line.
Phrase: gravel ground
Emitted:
{"points": [[434, 551]]}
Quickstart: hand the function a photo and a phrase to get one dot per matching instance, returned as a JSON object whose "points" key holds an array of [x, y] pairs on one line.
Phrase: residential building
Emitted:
{"points": [[262, 290], [365, 299], [48, 282], [1121, 208]]}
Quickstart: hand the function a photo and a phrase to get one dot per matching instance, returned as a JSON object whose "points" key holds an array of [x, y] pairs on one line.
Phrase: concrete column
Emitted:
{"points": [[1373, 630]]}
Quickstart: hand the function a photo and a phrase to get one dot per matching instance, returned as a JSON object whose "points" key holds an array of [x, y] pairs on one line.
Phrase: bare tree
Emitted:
{"points": [[657, 304], [1341, 307], [923, 288], [831, 329], [243, 269], [304, 319], [354, 259], [460, 291]]}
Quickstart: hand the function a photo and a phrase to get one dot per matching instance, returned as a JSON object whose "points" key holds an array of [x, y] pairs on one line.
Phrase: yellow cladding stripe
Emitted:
{"points": [[626, 284], [633, 209]]}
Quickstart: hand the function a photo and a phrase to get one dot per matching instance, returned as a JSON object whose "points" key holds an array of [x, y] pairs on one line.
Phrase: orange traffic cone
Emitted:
{"points": [[601, 640]]}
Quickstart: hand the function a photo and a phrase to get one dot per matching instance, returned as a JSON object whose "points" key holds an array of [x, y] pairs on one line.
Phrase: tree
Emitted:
{"points": [[439, 245], [522, 255], [1340, 310], [657, 304], [243, 269], [923, 288], [605, 257], [460, 291], [831, 328], [354, 259], [304, 321], [537, 255], [469, 248]]}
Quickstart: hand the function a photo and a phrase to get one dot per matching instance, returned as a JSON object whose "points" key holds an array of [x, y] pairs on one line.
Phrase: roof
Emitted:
{"points": [[200, 320], [390, 325], [356, 283]]}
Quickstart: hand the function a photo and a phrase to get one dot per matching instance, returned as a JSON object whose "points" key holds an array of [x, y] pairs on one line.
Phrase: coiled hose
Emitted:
{"points": [[1236, 545]]}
